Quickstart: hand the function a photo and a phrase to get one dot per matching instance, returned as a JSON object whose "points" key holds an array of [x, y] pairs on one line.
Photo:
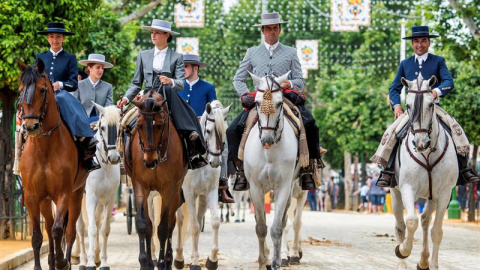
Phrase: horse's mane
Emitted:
{"points": [[111, 115], [217, 108], [418, 103], [28, 77]]}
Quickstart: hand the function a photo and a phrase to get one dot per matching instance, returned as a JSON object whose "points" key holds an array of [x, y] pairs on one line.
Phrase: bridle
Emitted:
{"points": [[26, 97], [219, 144], [277, 124], [112, 137], [419, 102]]}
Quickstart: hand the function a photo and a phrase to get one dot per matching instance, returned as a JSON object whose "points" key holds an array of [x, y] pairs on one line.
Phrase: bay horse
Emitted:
{"points": [[101, 190], [50, 166], [270, 159], [200, 187], [426, 167], [157, 164]]}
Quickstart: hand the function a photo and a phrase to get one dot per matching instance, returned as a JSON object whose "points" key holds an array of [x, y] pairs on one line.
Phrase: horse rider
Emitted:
{"points": [[62, 70], [267, 58], [197, 93], [93, 88], [161, 66], [428, 65]]}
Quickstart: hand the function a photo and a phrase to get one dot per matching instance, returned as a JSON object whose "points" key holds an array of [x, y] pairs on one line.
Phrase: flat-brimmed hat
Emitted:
{"points": [[420, 31], [96, 58], [160, 25], [193, 59], [55, 27], [271, 18]]}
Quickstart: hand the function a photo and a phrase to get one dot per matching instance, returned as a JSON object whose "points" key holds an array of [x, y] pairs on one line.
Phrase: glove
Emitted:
{"points": [[248, 99]]}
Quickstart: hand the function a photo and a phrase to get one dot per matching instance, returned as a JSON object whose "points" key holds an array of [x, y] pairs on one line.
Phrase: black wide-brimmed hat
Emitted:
{"points": [[55, 27], [193, 59], [420, 31]]}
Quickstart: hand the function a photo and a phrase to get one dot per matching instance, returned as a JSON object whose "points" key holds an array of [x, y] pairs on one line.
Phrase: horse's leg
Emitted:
{"points": [[245, 205], [425, 220], [141, 224], [92, 202], [285, 248], [37, 238], [79, 251], [148, 235], [105, 231], [46, 210], [194, 225], [258, 200], [98, 219], [227, 216], [174, 204], [221, 211], [154, 206], [163, 235], [397, 208], [74, 211], [58, 230], [179, 261], [405, 248], [212, 201], [279, 223], [297, 227], [437, 231]]}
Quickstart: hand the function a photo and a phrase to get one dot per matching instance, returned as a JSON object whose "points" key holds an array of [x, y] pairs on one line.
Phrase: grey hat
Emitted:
{"points": [[160, 25], [271, 18], [96, 59], [193, 59]]}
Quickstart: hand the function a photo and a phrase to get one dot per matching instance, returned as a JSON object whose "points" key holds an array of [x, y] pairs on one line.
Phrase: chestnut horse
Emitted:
{"points": [[50, 167], [157, 164]]}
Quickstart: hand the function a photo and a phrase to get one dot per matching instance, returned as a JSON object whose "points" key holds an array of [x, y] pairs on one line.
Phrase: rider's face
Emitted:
{"points": [[55, 40], [159, 38], [190, 71], [271, 33], [420, 45]]}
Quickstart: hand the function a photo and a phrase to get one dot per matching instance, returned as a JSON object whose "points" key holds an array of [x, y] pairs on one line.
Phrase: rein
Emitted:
{"points": [[260, 127]]}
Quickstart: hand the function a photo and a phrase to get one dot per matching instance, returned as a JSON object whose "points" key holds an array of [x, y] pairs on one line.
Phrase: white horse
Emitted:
{"points": [[294, 254], [202, 185], [101, 190], [426, 153], [270, 164], [241, 201]]}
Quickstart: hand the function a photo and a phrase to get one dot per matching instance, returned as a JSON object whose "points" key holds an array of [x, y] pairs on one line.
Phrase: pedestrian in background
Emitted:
{"points": [[312, 199]]}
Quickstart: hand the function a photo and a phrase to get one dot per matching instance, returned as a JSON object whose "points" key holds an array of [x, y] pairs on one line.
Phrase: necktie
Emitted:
{"points": [[270, 49], [420, 60]]}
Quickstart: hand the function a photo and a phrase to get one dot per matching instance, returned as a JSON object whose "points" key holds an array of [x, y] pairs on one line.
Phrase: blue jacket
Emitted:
{"points": [[199, 95], [62, 68], [409, 68]]}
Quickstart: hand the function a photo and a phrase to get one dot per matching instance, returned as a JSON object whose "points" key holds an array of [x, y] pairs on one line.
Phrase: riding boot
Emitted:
{"points": [[224, 195], [466, 173], [387, 175], [89, 146], [307, 182], [241, 183], [195, 159]]}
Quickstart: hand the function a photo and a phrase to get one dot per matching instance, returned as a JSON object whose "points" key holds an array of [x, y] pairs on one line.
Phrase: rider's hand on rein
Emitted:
{"points": [[398, 110]]}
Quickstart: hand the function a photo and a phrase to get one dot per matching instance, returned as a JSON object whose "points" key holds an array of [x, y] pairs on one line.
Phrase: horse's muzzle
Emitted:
{"points": [[32, 128], [151, 165]]}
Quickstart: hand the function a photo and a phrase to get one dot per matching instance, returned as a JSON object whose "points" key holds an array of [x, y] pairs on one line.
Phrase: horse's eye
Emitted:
{"points": [[103, 128], [408, 107], [43, 90], [208, 132]]}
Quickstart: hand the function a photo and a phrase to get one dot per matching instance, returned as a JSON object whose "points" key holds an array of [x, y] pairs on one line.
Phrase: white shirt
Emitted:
{"points": [[421, 59], [271, 48], [159, 58], [55, 55], [192, 82], [94, 84]]}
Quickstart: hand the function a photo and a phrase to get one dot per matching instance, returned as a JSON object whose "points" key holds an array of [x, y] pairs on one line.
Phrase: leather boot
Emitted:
{"points": [[467, 175], [387, 176], [241, 183], [322, 150], [306, 178], [89, 162], [224, 195], [195, 160]]}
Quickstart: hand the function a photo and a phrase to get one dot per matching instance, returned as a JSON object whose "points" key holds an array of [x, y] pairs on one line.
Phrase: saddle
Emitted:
{"points": [[293, 116]]}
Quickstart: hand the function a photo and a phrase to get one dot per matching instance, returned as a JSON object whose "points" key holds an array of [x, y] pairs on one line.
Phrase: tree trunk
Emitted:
{"points": [[364, 168], [347, 164], [468, 20], [356, 177], [7, 96], [139, 13], [471, 188]]}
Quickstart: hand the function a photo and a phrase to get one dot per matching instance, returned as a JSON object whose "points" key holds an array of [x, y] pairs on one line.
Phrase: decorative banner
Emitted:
{"points": [[190, 15], [186, 45], [348, 15], [307, 51]]}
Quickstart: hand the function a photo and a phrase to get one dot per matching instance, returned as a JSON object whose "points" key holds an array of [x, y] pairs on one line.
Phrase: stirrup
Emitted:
{"points": [[386, 179], [241, 183]]}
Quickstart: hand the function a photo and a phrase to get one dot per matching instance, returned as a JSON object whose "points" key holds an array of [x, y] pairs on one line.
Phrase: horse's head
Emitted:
{"points": [[420, 108], [269, 103], [34, 89], [107, 125], [151, 123], [214, 126]]}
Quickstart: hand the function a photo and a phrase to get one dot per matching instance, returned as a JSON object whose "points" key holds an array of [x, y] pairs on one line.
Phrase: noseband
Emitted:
{"points": [[416, 115], [267, 127]]}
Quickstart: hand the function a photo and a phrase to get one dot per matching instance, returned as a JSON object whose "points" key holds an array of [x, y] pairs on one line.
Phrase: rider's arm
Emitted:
{"points": [[72, 83], [240, 78], [179, 80], [296, 76], [445, 80], [137, 80]]}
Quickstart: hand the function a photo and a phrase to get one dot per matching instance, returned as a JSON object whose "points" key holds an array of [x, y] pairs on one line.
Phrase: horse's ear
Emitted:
{"points": [[256, 80], [21, 65], [100, 108], [432, 81], [283, 78], [208, 108], [404, 82], [227, 109], [40, 65]]}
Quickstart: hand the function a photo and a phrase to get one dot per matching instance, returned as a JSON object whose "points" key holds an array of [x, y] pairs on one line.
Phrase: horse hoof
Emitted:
{"points": [[300, 254], [211, 265], [399, 255], [418, 268], [154, 262], [237, 220], [295, 260], [269, 267], [179, 264], [105, 268], [284, 262], [82, 267], [195, 267], [75, 260], [97, 264], [66, 267], [91, 268], [243, 220]]}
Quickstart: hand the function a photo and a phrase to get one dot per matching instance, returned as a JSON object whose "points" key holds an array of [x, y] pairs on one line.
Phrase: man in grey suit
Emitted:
{"points": [[162, 66], [267, 58]]}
